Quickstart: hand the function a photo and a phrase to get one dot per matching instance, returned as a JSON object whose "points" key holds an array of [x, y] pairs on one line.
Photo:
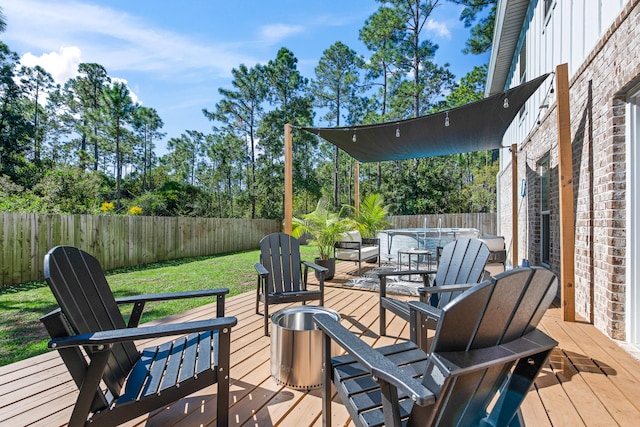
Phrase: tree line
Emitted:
{"points": [[86, 147]]}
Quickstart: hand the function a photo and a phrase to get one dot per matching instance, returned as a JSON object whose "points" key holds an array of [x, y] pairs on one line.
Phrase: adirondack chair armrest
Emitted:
{"points": [[172, 295], [425, 309], [444, 288], [139, 301], [462, 362], [104, 338], [404, 273], [318, 268], [262, 271], [372, 360]]}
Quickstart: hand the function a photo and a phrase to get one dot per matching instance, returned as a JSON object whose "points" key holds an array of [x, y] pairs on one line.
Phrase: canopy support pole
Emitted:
{"points": [[288, 179], [514, 205], [565, 170], [356, 187]]}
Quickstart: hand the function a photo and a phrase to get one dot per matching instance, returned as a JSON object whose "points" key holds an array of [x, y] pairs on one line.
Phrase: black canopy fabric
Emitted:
{"points": [[472, 127]]}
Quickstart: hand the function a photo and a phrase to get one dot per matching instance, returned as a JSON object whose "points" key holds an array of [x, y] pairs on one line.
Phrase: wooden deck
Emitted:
{"points": [[590, 380]]}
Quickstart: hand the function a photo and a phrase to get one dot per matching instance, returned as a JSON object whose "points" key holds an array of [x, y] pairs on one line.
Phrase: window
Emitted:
{"points": [[545, 204]]}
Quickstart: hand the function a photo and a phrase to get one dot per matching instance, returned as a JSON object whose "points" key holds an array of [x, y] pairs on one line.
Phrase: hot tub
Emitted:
{"points": [[430, 238]]}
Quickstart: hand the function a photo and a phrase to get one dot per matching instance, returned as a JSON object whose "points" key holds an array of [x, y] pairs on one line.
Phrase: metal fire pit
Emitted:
{"points": [[296, 347]]}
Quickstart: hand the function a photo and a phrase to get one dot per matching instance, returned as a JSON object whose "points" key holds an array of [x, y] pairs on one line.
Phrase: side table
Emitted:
{"points": [[423, 256]]}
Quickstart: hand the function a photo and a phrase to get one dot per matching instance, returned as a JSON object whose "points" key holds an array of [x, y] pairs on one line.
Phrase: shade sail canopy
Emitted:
{"points": [[472, 127]]}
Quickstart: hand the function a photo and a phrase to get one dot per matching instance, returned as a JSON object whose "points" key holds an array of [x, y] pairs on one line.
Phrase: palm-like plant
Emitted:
{"points": [[324, 227], [371, 216]]}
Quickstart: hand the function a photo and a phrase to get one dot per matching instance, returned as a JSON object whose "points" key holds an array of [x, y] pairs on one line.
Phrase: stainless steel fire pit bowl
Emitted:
{"points": [[296, 346]]}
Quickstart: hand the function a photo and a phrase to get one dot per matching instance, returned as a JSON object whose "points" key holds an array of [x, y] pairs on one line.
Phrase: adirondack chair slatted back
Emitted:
{"points": [[280, 255], [492, 313], [81, 289], [462, 261]]}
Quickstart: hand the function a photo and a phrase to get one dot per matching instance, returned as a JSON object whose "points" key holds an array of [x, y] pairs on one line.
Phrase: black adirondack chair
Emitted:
{"points": [[89, 323], [483, 360], [281, 278], [462, 263]]}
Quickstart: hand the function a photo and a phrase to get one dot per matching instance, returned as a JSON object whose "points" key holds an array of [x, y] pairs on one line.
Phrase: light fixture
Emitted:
{"points": [[354, 139], [505, 104], [398, 131], [446, 119]]}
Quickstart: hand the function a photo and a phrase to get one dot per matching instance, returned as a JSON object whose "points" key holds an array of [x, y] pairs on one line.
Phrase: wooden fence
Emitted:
{"points": [[119, 241], [486, 223], [122, 241]]}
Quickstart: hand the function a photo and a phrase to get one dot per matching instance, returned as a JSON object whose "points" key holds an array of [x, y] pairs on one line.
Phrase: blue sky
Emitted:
{"points": [[174, 55]]}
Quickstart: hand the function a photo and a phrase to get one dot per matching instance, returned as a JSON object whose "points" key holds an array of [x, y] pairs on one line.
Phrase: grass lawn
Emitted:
{"points": [[22, 335]]}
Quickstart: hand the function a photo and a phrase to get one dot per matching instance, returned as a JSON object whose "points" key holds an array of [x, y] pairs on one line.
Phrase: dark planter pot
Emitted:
{"points": [[327, 263]]}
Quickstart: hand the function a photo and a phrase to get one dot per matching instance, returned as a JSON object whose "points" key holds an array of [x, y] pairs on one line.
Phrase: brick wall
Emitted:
{"points": [[597, 101]]}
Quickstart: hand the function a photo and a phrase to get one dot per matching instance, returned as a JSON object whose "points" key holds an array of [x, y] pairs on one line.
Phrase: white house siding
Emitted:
{"points": [[600, 40]]}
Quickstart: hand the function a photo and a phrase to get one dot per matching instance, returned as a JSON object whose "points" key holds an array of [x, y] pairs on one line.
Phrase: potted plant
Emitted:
{"points": [[325, 228], [371, 216]]}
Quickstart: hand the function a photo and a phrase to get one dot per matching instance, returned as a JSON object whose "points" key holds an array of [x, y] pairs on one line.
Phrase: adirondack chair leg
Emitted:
{"points": [[136, 314], [88, 389], [506, 409], [326, 380], [73, 358], [220, 306], [418, 327], [390, 404], [224, 345], [258, 297], [383, 311], [414, 327], [266, 316]]}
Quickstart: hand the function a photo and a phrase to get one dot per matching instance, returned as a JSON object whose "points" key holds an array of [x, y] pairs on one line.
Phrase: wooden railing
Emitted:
{"points": [[119, 241]]}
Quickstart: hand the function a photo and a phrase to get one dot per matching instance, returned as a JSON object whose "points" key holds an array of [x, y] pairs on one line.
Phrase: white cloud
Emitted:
{"points": [[117, 40], [62, 65], [132, 94], [274, 33], [439, 28]]}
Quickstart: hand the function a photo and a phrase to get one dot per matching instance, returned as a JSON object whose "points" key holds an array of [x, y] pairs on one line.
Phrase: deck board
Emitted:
{"points": [[590, 380]]}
